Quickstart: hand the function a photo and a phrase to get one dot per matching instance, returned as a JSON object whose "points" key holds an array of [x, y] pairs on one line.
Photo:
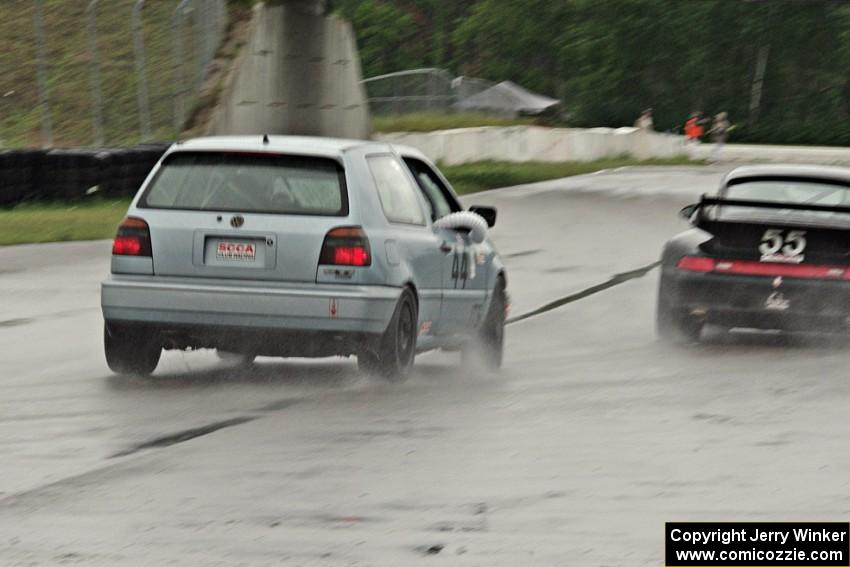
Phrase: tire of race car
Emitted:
{"points": [[236, 358], [393, 357], [675, 327], [130, 351], [488, 347], [493, 331]]}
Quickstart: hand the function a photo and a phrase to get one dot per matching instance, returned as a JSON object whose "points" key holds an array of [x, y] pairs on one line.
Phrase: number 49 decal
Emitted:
{"points": [[778, 245]]}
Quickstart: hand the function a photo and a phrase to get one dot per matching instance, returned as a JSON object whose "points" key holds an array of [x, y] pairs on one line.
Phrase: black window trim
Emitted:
{"points": [[443, 185]]}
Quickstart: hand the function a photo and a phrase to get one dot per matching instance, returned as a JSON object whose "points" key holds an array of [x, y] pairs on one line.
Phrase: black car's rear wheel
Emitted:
{"points": [[393, 356], [131, 350], [675, 326]]}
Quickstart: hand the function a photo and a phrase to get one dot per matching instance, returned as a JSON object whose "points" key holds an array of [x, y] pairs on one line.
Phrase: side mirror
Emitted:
{"points": [[487, 213], [688, 212]]}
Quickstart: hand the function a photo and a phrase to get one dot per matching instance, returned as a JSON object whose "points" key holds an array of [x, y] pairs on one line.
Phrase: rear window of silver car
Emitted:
{"points": [[243, 182]]}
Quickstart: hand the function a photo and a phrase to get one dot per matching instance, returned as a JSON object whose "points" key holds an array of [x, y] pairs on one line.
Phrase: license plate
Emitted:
{"points": [[246, 251]]}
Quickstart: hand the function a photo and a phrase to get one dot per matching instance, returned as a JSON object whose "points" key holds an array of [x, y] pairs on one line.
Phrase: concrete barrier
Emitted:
{"points": [[536, 143], [745, 153]]}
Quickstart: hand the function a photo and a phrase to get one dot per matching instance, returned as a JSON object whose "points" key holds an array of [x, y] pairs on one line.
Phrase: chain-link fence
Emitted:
{"points": [[414, 90], [419, 90], [98, 72]]}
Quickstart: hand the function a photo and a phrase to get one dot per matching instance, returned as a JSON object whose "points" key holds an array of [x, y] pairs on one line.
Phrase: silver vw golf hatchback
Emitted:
{"points": [[307, 247]]}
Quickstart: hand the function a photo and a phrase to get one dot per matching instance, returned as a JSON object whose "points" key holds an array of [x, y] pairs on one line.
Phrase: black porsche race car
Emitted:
{"points": [[770, 251]]}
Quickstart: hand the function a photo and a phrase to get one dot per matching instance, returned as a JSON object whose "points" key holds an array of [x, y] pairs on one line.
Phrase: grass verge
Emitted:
{"points": [[484, 175], [56, 222], [430, 121], [98, 218]]}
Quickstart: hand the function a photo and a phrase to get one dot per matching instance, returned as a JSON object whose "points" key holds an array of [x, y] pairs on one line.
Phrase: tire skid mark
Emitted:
{"points": [[183, 436], [195, 432], [55, 487], [278, 405], [17, 322], [8, 499], [614, 280], [14, 322], [522, 253]]}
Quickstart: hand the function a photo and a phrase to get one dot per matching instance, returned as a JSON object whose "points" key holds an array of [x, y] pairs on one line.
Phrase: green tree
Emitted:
{"points": [[386, 37], [779, 67]]}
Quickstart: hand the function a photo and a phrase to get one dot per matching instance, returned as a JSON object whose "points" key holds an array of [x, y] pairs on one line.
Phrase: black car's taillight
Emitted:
{"points": [[696, 264], [133, 238], [346, 246]]}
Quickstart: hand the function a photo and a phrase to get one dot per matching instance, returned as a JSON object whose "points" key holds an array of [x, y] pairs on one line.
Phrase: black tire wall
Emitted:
{"points": [[73, 174]]}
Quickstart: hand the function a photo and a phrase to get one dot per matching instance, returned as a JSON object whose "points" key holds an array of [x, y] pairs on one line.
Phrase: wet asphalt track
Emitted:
{"points": [[576, 453]]}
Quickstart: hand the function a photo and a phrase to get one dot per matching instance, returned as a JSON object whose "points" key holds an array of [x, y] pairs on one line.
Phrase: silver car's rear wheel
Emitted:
{"points": [[493, 332], [488, 346], [130, 350], [393, 357]]}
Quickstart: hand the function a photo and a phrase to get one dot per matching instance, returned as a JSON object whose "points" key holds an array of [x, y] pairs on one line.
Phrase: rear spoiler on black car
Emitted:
{"points": [[706, 201], [741, 238]]}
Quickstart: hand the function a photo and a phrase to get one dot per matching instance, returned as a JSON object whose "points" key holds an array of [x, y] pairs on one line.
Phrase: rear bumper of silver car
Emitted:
{"points": [[209, 303]]}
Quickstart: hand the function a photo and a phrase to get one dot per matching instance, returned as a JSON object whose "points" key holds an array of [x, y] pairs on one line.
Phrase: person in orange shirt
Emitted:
{"points": [[694, 128]]}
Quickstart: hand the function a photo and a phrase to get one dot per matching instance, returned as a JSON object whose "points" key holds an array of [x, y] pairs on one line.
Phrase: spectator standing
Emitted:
{"points": [[644, 121], [694, 128], [719, 132], [644, 125]]}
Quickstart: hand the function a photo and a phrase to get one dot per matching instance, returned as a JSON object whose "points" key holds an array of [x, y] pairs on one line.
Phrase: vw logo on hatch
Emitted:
{"points": [[237, 221]]}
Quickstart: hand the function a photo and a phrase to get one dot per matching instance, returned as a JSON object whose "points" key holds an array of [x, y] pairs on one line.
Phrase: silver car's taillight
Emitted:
{"points": [[346, 246], [133, 238]]}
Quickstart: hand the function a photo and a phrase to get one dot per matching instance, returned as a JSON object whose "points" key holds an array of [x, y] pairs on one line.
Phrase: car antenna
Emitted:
{"points": [[265, 139]]}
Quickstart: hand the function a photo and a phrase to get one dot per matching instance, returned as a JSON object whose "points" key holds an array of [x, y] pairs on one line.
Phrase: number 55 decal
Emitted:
{"points": [[779, 246]]}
